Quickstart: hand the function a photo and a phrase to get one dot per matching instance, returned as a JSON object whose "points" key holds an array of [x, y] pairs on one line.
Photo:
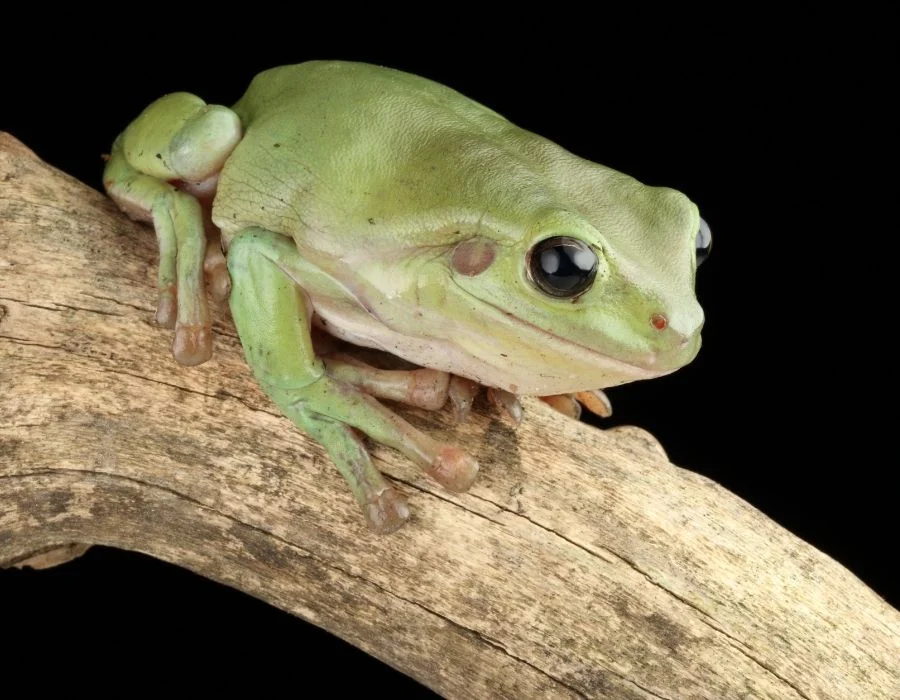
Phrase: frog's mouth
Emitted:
{"points": [[568, 348]]}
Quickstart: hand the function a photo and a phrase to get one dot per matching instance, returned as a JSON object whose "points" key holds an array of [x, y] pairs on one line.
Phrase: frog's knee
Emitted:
{"points": [[179, 136], [202, 145]]}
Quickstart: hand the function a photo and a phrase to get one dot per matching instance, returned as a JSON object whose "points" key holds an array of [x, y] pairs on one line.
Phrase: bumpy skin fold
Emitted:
{"points": [[394, 213]]}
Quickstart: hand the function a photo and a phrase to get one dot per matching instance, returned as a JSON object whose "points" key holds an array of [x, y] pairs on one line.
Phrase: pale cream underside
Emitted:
{"points": [[578, 368]]}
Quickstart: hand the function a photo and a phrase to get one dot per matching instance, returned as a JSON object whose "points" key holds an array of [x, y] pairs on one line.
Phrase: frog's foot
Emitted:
{"points": [[449, 465], [385, 509], [507, 403], [272, 319], [325, 397], [423, 388]]}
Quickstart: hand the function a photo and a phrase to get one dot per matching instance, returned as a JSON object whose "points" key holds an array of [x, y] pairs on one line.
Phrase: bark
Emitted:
{"points": [[582, 563]]}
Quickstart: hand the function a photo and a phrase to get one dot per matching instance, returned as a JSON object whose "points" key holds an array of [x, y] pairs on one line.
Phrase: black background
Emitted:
{"points": [[779, 131]]}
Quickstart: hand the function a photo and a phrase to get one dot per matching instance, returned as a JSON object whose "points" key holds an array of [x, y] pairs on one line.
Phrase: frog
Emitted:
{"points": [[390, 212]]}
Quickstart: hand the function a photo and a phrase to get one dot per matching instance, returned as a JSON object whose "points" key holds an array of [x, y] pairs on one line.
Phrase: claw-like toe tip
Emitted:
{"points": [[387, 512], [461, 411], [462, 394], [219, 284], [506, 402], [454, 469], [596, 401], [193, 345]]}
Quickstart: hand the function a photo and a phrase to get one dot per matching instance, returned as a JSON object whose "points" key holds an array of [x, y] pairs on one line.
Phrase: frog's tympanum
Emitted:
{"points": [[394, 213]]}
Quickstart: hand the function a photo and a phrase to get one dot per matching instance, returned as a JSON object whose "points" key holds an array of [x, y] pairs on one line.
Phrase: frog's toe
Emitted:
{"points": [[506, 402], [167, 307], [453, 469], [386, 511], [215, 269], [193, 344], [219, 283], [462, 393], [565, 404], [596, 401]]}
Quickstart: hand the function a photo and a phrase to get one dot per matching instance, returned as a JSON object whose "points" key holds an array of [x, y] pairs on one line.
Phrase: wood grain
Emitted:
{"points": [[582, 564]]}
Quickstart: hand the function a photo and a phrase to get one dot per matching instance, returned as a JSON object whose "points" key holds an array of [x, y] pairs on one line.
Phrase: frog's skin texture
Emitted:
{"points": [[395, 213]]}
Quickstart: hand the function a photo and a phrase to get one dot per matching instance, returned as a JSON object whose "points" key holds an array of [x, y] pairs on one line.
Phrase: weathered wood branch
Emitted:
{"points": [[582, 563]]}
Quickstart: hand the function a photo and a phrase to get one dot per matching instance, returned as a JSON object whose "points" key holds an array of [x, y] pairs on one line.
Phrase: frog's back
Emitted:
{"points": [[330, 144], [335, 153], [316, 89]]}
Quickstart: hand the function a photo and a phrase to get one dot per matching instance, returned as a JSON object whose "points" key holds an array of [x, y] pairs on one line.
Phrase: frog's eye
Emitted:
{"points": [[562, 266], [703, 242]]}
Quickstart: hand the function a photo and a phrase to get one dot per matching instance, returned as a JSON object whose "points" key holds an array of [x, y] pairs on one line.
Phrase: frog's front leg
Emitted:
{"points": [[177, 139], [423, 388], [273, 322]]}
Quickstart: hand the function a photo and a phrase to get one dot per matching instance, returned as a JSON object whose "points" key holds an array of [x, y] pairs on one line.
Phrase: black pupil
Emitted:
{"points": [[563, 267]]}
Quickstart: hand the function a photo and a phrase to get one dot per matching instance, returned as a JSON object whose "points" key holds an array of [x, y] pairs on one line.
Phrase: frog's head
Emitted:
{"points": [[581, 300]]}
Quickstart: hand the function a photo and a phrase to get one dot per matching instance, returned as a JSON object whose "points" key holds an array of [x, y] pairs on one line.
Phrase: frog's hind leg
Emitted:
{"points": [[178, 221], [178, 139], [273, 322]]}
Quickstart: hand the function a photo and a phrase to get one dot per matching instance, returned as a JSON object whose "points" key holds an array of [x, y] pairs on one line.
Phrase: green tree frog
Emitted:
{"points": [[394, 213]]}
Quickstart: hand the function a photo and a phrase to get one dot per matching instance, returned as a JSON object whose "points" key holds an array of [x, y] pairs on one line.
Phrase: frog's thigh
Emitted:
{"points": [[178, 221], [273, 323]]}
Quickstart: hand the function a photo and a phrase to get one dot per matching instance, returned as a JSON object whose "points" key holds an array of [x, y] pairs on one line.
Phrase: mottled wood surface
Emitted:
{"points": [[582, 564]]}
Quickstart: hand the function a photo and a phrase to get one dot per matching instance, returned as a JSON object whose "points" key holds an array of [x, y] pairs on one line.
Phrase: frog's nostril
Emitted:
{"points": [[659, 321]]}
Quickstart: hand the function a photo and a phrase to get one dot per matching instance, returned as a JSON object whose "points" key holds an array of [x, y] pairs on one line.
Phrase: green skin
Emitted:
{"points": [[397, 214]]}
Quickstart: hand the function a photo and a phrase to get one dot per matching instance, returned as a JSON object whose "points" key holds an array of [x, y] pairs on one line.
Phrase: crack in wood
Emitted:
{"points": [[57, 306], [304, 553]]}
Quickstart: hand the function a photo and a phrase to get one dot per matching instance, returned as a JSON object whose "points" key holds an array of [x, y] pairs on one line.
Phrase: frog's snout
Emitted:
{"points": [[677, 342], [660, 322]]}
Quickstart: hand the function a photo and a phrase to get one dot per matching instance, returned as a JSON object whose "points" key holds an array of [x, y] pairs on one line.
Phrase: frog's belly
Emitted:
{"points": [[521, 373]]}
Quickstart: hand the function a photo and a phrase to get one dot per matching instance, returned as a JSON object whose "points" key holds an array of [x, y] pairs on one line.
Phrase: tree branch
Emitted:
{"points": [[582, 564]]}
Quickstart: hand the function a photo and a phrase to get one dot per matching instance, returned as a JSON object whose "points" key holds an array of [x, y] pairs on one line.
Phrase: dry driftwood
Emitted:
{"points": [[582, 564]]}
